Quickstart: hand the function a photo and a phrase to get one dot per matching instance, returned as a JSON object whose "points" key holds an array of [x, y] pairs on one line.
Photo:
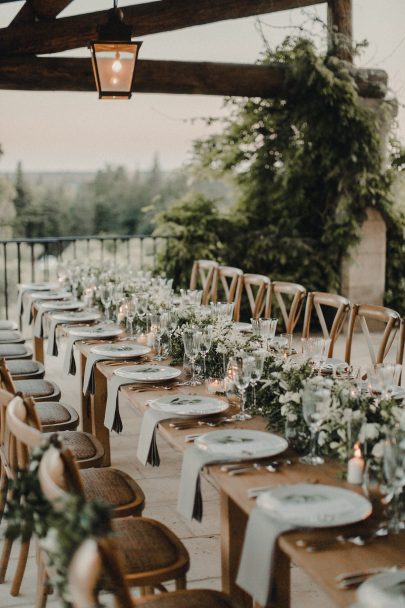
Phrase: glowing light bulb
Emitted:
{"points": [[117, 65]]}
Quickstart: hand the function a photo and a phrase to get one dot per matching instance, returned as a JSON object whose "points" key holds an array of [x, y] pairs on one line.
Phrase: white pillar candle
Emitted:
{"points": [[355, 467]]}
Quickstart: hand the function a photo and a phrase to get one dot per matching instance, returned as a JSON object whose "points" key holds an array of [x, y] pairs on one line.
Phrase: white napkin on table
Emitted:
{"points": [[147, 447], [88, 377], [112, 419], [52, 347]]}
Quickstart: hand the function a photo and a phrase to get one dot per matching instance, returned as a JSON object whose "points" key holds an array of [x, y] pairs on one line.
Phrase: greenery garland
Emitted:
{"points": [[60, 527], [307, 167]]}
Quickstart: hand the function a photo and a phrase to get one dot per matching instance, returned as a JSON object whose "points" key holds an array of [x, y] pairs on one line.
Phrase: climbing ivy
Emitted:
{"points": [[307, 166]]}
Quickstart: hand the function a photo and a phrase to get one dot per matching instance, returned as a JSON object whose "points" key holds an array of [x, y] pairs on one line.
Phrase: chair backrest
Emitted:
{"points": [[228, 281], [341, 305], [257, 288], [203, 272], [20, 433], [289, 298], [6, 381], [370, 312], [88, 563]]}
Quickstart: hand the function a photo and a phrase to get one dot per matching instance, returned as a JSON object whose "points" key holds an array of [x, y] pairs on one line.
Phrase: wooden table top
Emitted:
{"points": [[321, 566]]}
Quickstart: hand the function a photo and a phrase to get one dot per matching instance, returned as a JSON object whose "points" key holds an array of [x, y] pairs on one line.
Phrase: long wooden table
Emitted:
{"points": [[321, 566]]}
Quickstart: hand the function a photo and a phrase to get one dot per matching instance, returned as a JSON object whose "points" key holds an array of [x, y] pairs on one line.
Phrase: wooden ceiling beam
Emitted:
{"points": [[39, 9], [177, 77], [148, 18]]}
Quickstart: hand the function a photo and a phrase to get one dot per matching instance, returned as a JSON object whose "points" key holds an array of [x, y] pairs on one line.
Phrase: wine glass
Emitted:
{"points": [[394, 473], [130, 306], [206, 341], [117, 297], [323, 351], [259, 357], [106, 294], [267, 329], [192, 348], [315, 406], [143, 303], [158, 328], [241, 370], [172, 322]]}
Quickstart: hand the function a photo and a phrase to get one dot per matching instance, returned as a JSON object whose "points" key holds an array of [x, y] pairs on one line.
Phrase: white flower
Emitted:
{"points": [[50, 544], [378, 450], [369, 431]]}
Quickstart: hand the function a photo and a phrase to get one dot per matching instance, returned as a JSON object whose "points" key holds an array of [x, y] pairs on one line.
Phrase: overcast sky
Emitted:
{"points": [[76, 131]]}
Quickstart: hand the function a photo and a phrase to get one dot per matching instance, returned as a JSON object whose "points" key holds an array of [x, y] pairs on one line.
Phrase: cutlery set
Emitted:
{"points": [[238, 469], [360, 539], [351, 580]]}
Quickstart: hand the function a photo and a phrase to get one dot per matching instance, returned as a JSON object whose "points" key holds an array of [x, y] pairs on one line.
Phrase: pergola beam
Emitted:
{"points": [[39, 9], [177, 77], [149, 18], [340, 25]]}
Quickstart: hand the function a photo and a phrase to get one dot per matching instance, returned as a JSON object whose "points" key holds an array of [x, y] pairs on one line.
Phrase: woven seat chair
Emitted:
{"points": [[203, 272], [152, 554], [341, 307], [289, 298], [11, 325], [25, 369], [8, 336], [20, 435], [228, 285], [15, 351], [257, 289], [99, 558], [43, 390], [388, 318]]}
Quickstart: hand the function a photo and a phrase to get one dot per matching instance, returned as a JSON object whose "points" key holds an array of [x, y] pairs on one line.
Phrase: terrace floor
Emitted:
{"points": [[160, 485]]}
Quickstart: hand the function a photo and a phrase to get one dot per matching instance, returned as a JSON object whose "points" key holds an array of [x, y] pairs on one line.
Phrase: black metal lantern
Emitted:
{"points": [[114, 57]]}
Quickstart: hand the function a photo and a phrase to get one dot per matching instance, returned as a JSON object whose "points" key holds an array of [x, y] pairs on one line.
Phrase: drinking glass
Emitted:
{"points": [[172, 322], [241, 369], [158, 328], [259, 357], [106, 291], [394, 473], [206, 341], [267, 329], [117, 297], [130, 307], [286, 344], [315, 406], [192, 348], [143, 303], [323, 348]]}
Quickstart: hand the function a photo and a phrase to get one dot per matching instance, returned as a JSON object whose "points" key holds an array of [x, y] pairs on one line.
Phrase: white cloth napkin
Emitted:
{"points": [[38, 323], [147, 446], [69, 363], [112, 419], [52, 346], [255, 575], [189, 503], [88, 376]]}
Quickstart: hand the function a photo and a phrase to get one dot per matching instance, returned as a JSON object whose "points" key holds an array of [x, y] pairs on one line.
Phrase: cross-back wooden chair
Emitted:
{"points": [[228, 285], [389, 319], [40, 389], [257, 289], [203, 273], [101, 557], [315, 301], [289, 298], [152, 554]]}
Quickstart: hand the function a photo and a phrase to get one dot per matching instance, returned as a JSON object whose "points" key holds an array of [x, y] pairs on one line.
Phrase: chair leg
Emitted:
{"points": [[42, 586], [180, 583], [19, 573], [5, 558]]}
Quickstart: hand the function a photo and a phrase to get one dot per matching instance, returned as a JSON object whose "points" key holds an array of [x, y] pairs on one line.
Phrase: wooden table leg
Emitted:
{"points": [[85, 399], [37, 343], [98, 404], [233, 525], [282, 580]]}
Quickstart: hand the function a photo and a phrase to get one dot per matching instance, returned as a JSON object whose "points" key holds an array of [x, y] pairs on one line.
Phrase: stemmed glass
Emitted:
{"points": [[117, 297], [315, 406], [323, 351], [192, 348], [394, 473], [206, 341], [241, 370], [159, 328], [267, 328], [259, 357], [106, 294], [130, 305], [142, 307], [172, 322]]}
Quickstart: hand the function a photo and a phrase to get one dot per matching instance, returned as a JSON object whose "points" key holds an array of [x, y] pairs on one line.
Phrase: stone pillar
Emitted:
{"points": [[363, 273]]}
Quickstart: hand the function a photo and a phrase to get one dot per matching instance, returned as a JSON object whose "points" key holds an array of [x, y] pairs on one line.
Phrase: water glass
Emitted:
{"points": [[130, 309], [106, 293], [241, 368], [267, 330], [159, 327], [206, 342], [192, 348], [259, 357], [315, 407]]}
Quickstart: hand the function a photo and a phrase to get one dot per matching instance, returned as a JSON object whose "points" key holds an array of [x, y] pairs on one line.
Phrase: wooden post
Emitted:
{"points": [[340, 26]]}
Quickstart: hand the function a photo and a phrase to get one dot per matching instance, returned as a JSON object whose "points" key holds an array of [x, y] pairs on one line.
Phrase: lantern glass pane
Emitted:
{"points": [[115, 63]]}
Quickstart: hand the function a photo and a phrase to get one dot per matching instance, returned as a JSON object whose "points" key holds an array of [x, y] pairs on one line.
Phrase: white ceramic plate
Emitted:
{"points": [[64, 305], [50, 295], [148, 373], [120, 351], [67, 317], [240, 442], [338, 364], [315, 505], [98, 331], [39, 286], [385, 590], [189, 405], [243, 327]]}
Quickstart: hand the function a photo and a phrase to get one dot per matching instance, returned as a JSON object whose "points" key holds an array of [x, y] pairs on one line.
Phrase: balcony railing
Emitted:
{"points": [[33, 260]]}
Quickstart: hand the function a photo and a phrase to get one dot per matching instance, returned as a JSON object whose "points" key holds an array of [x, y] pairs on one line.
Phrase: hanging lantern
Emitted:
{"points": [[114, 57]]}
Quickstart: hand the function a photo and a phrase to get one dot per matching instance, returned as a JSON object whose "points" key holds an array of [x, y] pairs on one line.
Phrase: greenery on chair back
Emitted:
{"points": [[60, 527], [307, 167]]}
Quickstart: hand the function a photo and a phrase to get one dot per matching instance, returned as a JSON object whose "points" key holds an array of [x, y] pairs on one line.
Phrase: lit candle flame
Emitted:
{"points": [[357, 450]]}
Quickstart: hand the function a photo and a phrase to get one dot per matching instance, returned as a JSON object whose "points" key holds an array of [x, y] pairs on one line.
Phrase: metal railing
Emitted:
{"points": [[31, 260]]}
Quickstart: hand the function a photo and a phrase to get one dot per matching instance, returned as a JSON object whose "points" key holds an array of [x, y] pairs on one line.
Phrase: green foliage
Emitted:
{"points": [[307, 166]]}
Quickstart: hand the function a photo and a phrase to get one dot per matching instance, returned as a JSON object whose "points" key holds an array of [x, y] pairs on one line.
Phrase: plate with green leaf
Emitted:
{"points": [[189, 405], [241, 443], [148, 373], [121, 350]]}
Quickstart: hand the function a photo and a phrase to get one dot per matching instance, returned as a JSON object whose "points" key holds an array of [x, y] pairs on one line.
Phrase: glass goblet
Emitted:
{"points": [[130, 308], [106, 291], [241, 370], [206, 341], [315, 407], [192, 348], [259, 357]]}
